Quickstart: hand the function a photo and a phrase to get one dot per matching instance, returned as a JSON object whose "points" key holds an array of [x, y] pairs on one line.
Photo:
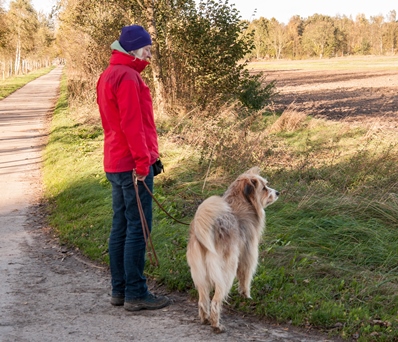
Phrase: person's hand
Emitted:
{"points": [[141, 178]]}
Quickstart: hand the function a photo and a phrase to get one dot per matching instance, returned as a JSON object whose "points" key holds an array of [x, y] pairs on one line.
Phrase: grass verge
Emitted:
{"points": [[9, 85], [329, 257]]}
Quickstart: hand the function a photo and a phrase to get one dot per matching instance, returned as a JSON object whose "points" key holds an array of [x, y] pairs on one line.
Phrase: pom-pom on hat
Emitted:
{"points": [[134, 37]]}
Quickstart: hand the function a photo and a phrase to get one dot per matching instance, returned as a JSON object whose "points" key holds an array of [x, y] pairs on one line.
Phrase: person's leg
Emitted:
{"points": [[117, 237], [136, 294], [135, 247]]}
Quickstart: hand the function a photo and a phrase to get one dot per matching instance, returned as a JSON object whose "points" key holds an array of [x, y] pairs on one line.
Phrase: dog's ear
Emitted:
{"points": [[250, 188], [254, 171]]}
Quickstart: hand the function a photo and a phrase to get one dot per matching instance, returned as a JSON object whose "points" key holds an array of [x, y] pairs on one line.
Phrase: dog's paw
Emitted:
{"points": [[219, 329], [245, 293], [204, 321]]}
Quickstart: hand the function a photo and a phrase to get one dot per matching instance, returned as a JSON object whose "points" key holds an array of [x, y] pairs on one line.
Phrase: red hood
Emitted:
{"points": [[120, 58]]}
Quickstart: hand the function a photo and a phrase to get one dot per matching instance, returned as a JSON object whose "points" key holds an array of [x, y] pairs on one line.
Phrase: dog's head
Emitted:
{"points": [[255, 188]]}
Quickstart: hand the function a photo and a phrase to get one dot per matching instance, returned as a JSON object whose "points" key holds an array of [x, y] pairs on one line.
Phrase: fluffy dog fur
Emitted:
{"points": [[223, 242]]}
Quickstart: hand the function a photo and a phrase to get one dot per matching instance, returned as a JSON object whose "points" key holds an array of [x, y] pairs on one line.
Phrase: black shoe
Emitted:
{"points": [[150, 302], [117, 301]]}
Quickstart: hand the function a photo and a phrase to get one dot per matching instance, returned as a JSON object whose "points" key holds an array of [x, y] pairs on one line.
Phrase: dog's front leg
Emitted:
{"points": [[246, 269]]}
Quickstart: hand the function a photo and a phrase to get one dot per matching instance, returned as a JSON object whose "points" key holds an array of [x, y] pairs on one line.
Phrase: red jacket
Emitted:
{"points": [[125, 105]]}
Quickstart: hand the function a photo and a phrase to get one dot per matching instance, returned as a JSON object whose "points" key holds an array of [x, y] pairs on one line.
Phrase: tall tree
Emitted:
{"points": [[361, 43], [343, 26], [208, 44], [277, 37], [22, 24], [158, 79], [376, 34], [3, 27], [295, 28], [319, 35], [260, 29], [391, 32]]}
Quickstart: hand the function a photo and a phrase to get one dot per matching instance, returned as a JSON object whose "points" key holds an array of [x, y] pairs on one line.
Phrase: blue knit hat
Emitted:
{"points": [[134, 37]]}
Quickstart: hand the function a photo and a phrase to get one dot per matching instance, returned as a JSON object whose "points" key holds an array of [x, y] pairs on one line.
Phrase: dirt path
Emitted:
{"points": [[48, 293]]}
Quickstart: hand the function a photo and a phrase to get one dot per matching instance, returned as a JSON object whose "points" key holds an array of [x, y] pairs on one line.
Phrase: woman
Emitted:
{"points": [[130, 144]]}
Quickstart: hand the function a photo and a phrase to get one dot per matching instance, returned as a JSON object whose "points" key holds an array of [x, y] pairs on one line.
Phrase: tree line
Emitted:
{"points": [[324, 36], [26, 39]]}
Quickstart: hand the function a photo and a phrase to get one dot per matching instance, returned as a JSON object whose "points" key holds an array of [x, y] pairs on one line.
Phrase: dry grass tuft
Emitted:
{"points": [[290, 121]]}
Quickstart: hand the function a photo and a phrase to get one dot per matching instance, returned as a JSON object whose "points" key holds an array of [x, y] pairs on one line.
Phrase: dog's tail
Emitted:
{"points": [[205, 219]]}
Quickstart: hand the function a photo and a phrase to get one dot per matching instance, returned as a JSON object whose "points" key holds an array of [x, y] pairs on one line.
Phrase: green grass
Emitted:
{"points": [[75, 184], [329, 256], [9, 85]]}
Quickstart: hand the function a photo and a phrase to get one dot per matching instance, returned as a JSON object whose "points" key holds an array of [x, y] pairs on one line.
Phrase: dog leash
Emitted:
{"points": [[145, 229], [163, 209]]}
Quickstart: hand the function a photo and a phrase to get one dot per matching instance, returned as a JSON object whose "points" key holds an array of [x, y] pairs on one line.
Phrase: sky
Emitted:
{"points": [[283, 10], [39, 5], [43, 5]]}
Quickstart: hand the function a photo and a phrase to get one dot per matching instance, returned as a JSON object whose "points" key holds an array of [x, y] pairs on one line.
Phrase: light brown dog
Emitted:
{"points": [[223, 242]]}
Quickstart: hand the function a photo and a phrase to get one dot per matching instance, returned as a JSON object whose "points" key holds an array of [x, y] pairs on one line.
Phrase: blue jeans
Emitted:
{"points": [[126, 242]]}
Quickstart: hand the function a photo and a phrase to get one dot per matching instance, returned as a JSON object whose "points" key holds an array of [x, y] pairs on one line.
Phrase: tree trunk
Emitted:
{"points": [[160, 101], [17, 57]]}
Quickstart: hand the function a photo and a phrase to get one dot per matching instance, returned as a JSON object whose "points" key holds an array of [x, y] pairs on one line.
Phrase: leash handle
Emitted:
{"points": [[135, 180]]}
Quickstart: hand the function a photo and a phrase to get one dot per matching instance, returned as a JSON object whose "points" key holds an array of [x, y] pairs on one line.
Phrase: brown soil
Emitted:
{"points": [[365, 97]]}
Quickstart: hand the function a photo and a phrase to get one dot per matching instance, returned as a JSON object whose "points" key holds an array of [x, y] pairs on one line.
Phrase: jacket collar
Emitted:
{"points": [[121, 57]]}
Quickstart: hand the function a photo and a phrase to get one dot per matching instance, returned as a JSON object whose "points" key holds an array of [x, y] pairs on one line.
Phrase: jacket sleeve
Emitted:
{"points": [[132, 123]]}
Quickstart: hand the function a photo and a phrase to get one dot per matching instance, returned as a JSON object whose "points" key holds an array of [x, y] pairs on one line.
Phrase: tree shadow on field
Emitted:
{"points": [[340, 104], [352, 96], [291, 78]]}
